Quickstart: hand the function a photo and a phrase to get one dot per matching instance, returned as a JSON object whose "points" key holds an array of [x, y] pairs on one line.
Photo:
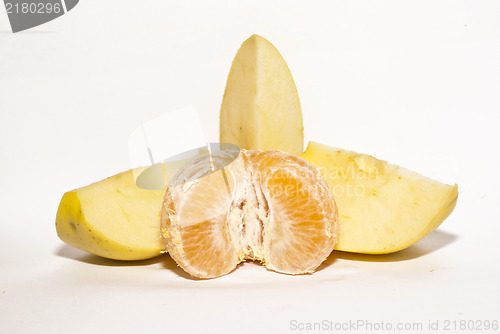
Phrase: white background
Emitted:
{"points": [[415, 83]]}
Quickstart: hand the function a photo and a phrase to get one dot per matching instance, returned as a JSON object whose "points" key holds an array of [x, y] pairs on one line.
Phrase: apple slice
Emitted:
{"points": [[383, 208], [261, 108], [112, 218]]}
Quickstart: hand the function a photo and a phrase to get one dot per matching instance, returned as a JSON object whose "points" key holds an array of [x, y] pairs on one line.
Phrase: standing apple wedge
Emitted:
{"points": [[383, 208], [113, 218], [261, 108]]}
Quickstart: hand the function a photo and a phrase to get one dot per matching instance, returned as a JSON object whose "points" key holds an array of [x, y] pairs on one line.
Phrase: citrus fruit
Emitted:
{"points": [[267, 206]]}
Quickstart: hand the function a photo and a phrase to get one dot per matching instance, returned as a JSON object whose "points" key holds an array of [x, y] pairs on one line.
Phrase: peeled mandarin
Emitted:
{"points": [[270, 206]]}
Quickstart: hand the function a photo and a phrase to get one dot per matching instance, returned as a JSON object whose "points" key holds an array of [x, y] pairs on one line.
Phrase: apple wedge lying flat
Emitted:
{"points": [[113, 218], [261, 108], [383, 208]]}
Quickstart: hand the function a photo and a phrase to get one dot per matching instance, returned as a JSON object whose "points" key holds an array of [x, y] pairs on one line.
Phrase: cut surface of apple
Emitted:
{"points": [[261, 108], [113, 218], [382, 207]]}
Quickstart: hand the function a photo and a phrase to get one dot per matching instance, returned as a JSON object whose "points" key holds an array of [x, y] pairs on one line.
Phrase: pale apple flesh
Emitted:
{"points": [[113, 218], [383, 208], [261, 108]]}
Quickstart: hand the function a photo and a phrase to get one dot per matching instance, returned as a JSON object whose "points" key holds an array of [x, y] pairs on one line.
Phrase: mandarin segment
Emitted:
{"points": [[302, 230], [209, 252], [194, 218], [266, 206]]}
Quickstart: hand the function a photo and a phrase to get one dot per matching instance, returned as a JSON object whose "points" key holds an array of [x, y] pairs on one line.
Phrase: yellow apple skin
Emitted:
{"points": [[112, 218], [261, 107], [383, 208]]}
